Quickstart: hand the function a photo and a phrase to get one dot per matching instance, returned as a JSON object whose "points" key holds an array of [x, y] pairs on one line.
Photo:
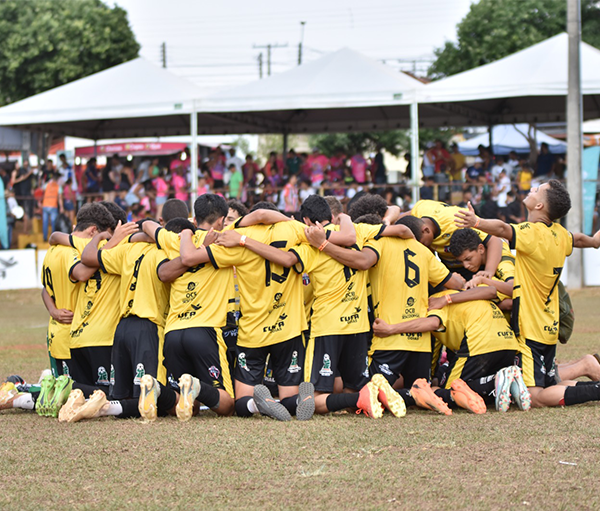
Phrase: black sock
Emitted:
{"points": [[485, 387], [446, 397], [241, 407], [130, 409], [166, 401], [582, 394], [88, 390], [583, 383], [290, 404], [408, 399], [209, 396], [337, 402]]}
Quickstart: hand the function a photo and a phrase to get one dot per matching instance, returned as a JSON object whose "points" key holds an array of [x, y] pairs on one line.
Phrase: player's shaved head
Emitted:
{"points": [[174, 208], [316, 209], [414, 224], [367, 204], [264, 205], [209, 207], [117, 212], [94, 214]]}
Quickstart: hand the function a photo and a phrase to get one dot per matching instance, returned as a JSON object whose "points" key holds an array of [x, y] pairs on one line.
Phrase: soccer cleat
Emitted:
{"points": [[268, 406], [62, 389], [16, 379], [388, 397], [504, 380], [425, 397], [91, 408], [368, 402], [189, 389], [8, 393], [518, 389], [149, 392], [75, 401], [306, 401], [466, 398], [44, 400]]}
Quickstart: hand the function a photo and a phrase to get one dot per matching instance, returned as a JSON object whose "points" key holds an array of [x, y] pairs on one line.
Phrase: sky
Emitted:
{"points": [[213, 43]]}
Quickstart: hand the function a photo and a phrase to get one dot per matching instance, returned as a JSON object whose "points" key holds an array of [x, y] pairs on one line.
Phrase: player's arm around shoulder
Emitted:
{"points": [[191, 255]]}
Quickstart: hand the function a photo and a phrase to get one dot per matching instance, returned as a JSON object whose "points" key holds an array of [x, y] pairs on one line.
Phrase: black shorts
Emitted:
{"points": [[287, 359], [90, 365], [330, 356], [135, 353], [538, 362], [201, 352], [477, 366], [412, 365]]}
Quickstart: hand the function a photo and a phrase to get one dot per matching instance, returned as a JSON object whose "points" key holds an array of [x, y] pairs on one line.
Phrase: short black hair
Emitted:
{"points": [[117, 212], [414, 223], [558, 200], [368, 203], [179, 224], [316, 209], [175, 208], [209, 207], [236, 205], [334, 204], [369, 218], [263, 204], [463, 239], [96, 214]]}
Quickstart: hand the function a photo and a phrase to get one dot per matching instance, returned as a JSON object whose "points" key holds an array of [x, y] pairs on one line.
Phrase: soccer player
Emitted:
{"points": [[438, 227], [542, 245]]}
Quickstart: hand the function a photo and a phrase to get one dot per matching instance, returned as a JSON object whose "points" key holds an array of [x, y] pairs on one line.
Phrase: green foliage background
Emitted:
{"points": [[47, 43]]}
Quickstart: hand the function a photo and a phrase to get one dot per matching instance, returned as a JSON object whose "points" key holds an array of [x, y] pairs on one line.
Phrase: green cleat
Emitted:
{"points": [[42, 405], [62, 389]]}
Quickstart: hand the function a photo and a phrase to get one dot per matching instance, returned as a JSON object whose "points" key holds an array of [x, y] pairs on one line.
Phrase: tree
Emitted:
{"points": [[47, 43], [493, 29], [394, 142]]}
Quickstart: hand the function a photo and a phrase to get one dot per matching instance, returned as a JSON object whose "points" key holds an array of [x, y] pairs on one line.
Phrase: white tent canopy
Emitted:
{"points": [[133, 99], [509, 137], [528, 86]]}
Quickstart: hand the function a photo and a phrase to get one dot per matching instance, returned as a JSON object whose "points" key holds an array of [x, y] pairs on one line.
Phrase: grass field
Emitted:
{"points": [[542, 459]]}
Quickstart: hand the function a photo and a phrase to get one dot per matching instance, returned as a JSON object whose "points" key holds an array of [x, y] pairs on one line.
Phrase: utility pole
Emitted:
{"points": [[163, 53], [302, 23], [574, 139], [260, 64], [269, 47]]}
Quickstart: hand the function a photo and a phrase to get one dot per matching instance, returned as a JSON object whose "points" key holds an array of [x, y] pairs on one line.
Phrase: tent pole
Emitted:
{"points": [[574, 139], [491, 138], [285, 148], [194, 153], [414, 149]]}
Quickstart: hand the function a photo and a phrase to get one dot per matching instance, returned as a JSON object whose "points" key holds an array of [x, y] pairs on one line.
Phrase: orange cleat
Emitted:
{"points": [[425, 398], [466, 398], [368, 402]]}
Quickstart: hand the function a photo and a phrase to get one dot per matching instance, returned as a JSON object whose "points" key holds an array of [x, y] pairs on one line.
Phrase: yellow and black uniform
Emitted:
{"points": [[95, 320], [406, 268], [339, 323], [199, 302], [541, 252], [55, 279], [138, 344], [442, 216], [272, 315], [478, 337]]}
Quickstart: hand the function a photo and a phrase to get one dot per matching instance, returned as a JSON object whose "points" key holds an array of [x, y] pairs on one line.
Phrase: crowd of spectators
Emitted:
{"points": [[494, 184]]}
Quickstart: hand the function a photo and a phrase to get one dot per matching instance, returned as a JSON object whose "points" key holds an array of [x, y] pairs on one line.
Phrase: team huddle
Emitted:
{"points": [[337, 311]]}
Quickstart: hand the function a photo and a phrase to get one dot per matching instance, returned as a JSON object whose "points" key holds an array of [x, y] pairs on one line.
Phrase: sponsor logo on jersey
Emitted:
{"points": [[353, 318], [326, 369], [191, 286], [278, 326], [552, 329], [410, 302]]}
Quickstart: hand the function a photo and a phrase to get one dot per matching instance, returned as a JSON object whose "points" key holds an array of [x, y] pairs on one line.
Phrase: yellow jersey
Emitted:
{"points": [[142, 294], [97, 312], [541, 252], [55, 278], [473, 328], [203, 295], [340, 293], [271, 296], [442, 216], [406, 268]]}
